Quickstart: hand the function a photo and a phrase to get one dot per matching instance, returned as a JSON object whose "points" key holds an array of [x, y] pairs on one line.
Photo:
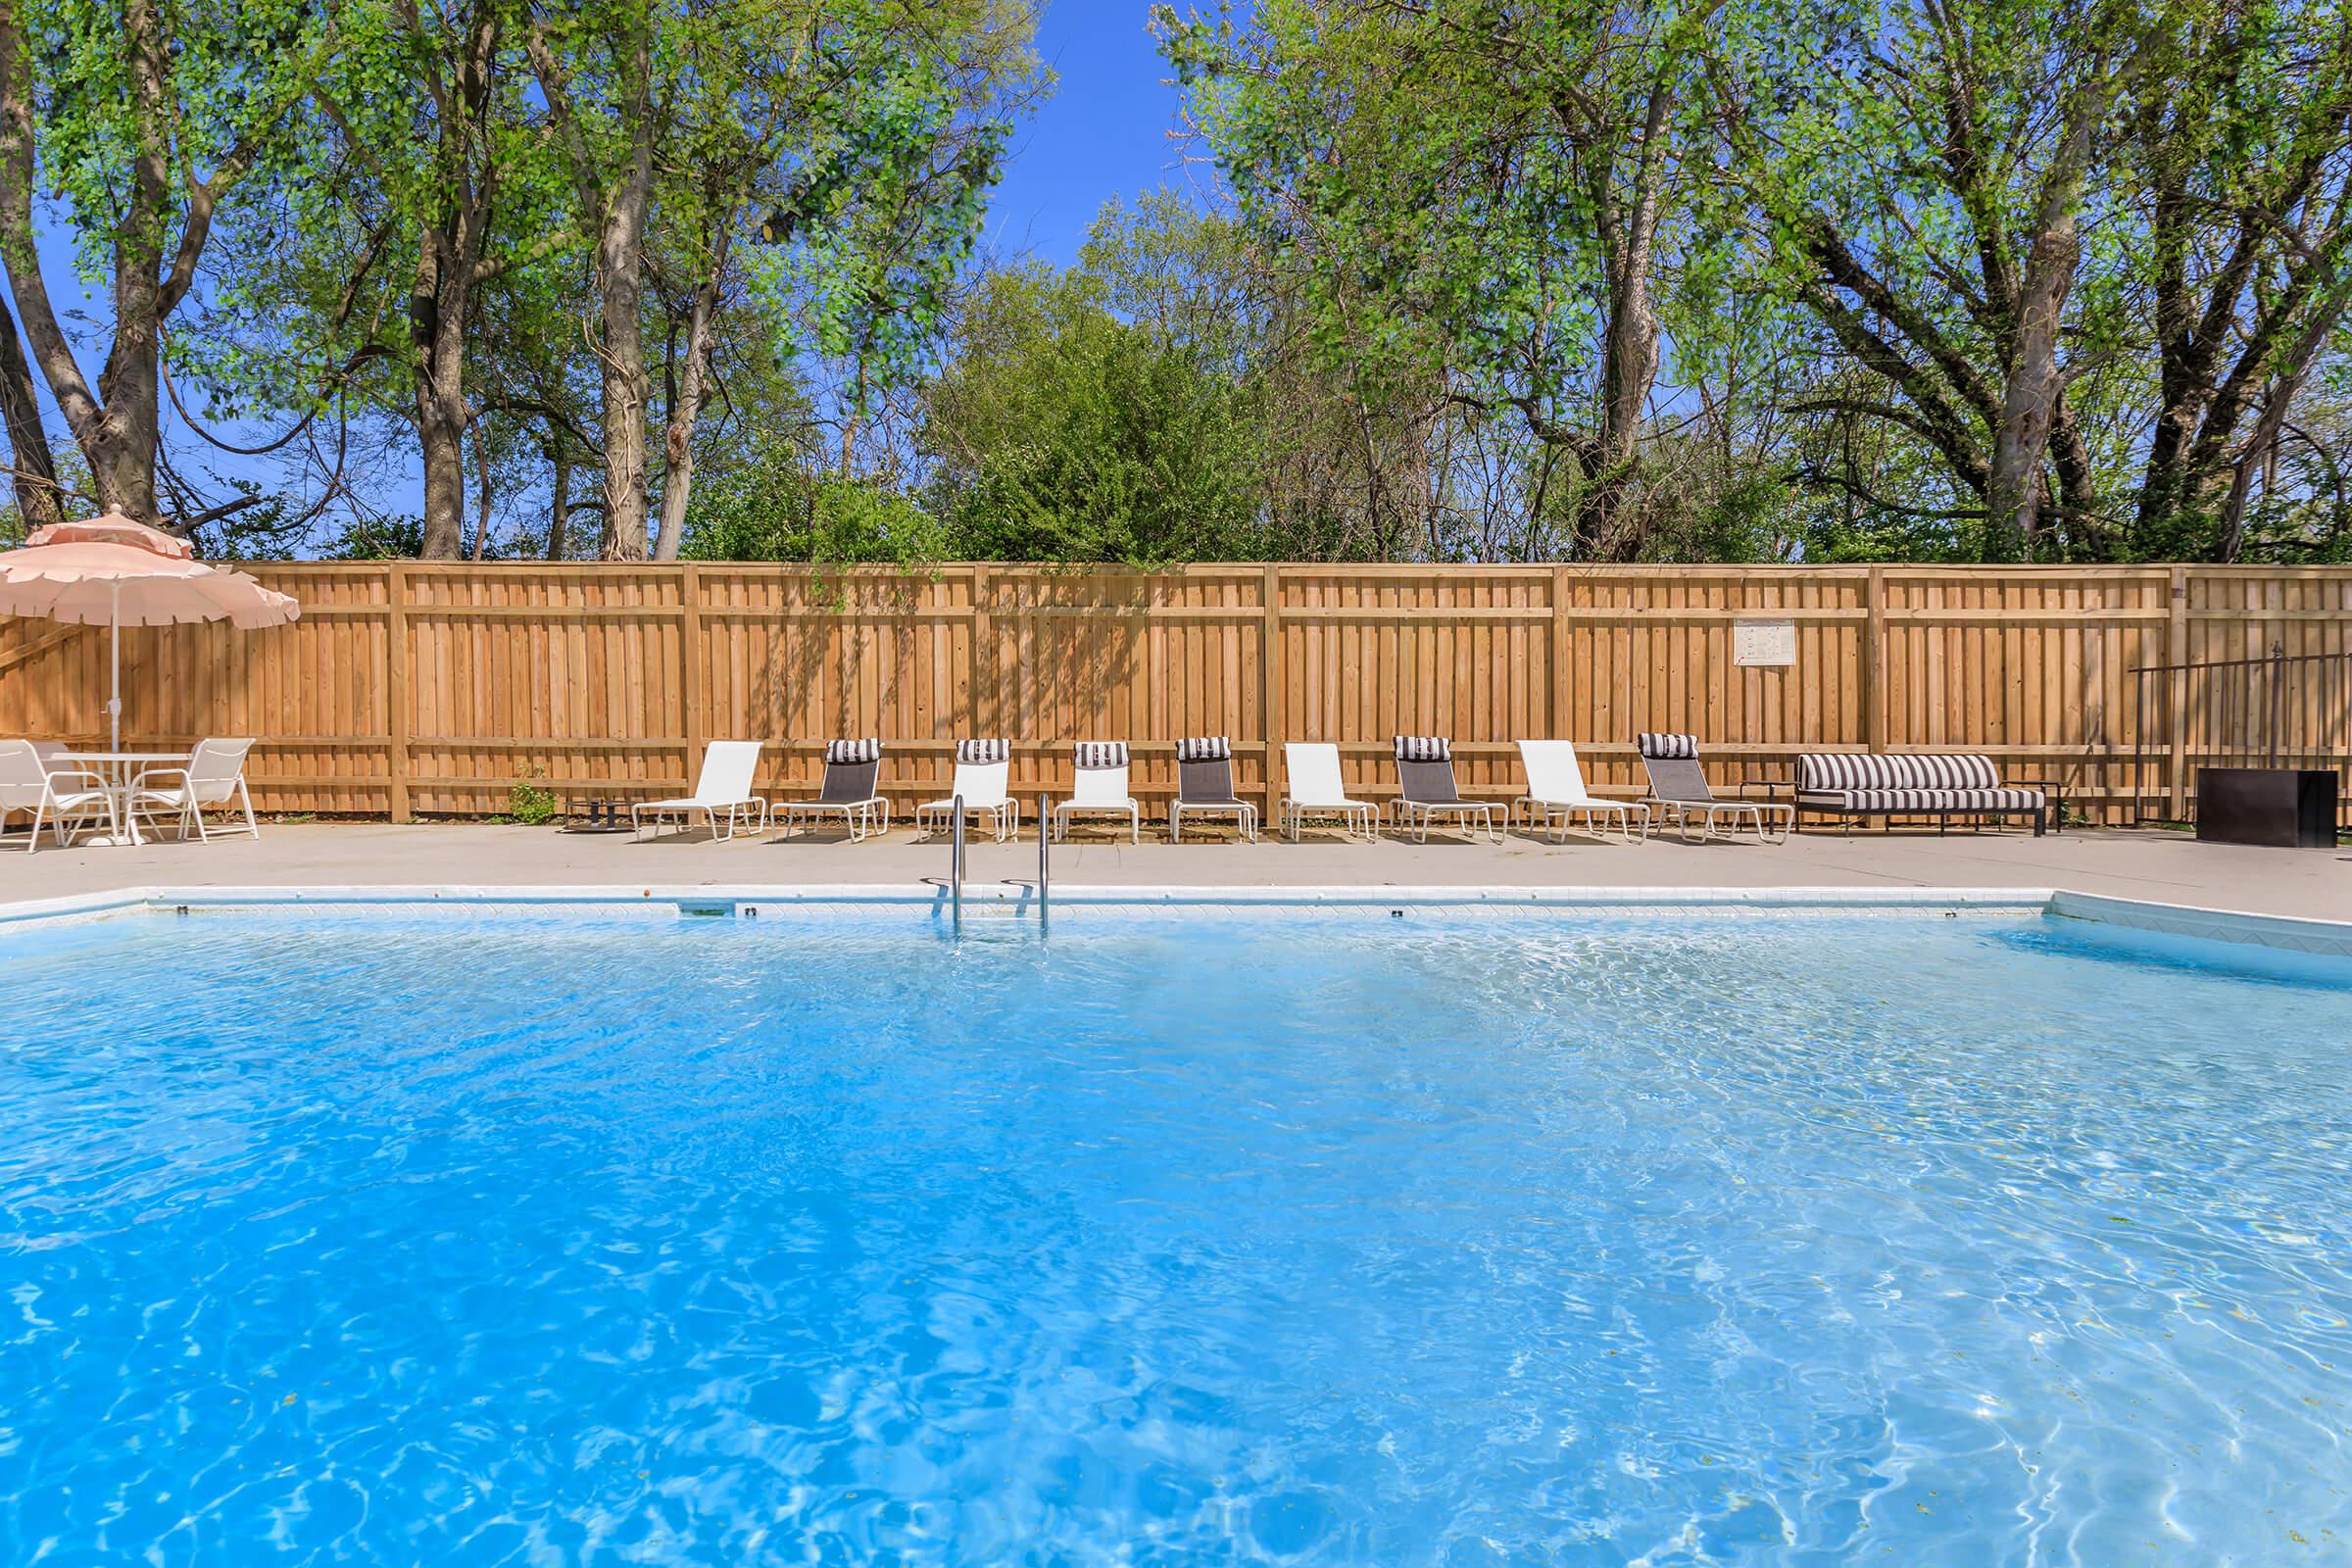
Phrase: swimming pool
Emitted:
{"points": [[1573, 1239]]}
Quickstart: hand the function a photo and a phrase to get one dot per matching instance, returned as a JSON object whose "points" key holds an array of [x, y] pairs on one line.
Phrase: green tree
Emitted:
{"points": [[1476, 197], [143, 117], [1064, 433], [863, 132]]}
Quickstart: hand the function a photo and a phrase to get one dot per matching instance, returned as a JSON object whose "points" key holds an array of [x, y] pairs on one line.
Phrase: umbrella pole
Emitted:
{"points": [[114, 699]]}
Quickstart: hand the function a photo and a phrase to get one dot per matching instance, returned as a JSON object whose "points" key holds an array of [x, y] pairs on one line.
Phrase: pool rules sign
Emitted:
{"points": [[1763, 643]]}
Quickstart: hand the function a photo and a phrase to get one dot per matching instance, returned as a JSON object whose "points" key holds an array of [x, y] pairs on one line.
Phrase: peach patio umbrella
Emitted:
{"points": [[111, 571]]}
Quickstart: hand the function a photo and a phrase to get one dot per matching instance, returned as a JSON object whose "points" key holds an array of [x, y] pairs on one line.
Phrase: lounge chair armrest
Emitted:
{"points": [[95, 777], [139, 779]]}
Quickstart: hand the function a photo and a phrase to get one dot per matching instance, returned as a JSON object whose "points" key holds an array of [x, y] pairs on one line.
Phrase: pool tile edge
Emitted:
{"points": [[2329, 939], [2284, 933]]}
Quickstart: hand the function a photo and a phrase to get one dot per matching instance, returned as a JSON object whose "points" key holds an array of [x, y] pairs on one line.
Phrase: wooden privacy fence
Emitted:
{"points": [[413, 688]]}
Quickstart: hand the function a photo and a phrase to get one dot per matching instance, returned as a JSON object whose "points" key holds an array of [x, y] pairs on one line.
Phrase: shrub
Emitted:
{"points": [[529, 801]]}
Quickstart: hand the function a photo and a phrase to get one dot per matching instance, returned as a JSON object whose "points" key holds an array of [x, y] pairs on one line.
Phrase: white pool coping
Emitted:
{"points": [[2289, 935]]}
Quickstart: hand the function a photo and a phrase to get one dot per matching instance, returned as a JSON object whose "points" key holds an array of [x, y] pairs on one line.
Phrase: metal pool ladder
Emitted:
{"points": [[1045, 863], [1045, 869], [956, 862]]}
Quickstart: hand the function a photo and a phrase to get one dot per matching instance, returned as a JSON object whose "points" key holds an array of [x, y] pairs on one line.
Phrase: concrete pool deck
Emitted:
{"points": [[2154, 866]]}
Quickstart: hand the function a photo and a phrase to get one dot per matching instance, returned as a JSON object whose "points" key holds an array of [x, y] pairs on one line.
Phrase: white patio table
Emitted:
{"points": [[119, 768]]}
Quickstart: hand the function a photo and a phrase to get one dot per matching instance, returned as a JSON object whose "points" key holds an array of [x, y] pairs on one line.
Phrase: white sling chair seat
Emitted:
{"points": [[982, 771], [56, 796], [1556, 793], [1098, 788], [722, 792], [1316, 790], [213, 775]]}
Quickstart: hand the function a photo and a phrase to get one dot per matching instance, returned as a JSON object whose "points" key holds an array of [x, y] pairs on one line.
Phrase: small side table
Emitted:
{"points": [[597, 816]]}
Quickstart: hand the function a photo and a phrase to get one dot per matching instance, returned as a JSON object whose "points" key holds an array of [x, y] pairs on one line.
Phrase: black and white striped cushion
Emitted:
{"points": [[854, 752], [1665, 746], [1927, 802], [1424, 749], [1101, 753], [1832, 772], [1203, 748], [1952, 772], [983, 751], [1829, 772]]}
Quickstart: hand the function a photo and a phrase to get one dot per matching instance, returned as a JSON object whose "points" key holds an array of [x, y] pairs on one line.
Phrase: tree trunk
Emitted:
{"points": [[436, 316], [2029, 397], [677, 456], [482, 474], [618, 253], [32, 467], [116, 425], [619, 267], [117, 442], [449, 262], [442, 439], [2028, 403], [559, 505], [1630, 369]]}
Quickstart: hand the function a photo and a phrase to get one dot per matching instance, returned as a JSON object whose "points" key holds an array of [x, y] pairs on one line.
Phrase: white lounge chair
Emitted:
{"points": [[1316, 790], [1099, 789], [982, 768], [852, 770], [724, 790], [1204, 787], [1555, 788], [56, 795], [213, 775]]}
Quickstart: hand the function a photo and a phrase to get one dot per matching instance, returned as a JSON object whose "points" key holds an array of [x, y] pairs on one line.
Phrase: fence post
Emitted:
{"points": [[1273, 684], [2175, 698], [396, 691], [1559, 654], [690, 662], [1874, 664], [984, 704]]}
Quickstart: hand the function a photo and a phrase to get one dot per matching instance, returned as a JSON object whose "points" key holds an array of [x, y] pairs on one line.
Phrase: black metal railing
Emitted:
{"points": [[2279, 710]]}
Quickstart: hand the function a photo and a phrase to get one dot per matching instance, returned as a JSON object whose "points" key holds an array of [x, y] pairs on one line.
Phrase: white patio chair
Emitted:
{"points": [[54, 795], [982, 768], [1555, 789], [1316, 790], [1099, 789], [213, 775], [724, 789]]}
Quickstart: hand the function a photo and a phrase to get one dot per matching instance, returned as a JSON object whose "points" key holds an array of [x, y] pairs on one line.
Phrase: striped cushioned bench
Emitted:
{"points": [[1850, 784]]}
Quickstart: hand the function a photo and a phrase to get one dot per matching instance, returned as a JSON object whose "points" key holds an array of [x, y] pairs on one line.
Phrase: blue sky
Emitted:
{"points": [[1103, 133]]}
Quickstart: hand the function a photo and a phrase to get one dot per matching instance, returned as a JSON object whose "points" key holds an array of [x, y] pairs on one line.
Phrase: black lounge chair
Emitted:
{"points": [[1205, 786], [1678, 789], [1426, 790], [851, 769]]}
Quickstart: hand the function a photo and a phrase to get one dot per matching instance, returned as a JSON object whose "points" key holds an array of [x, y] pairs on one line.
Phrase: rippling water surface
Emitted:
{"points": [[1635, 1241]]}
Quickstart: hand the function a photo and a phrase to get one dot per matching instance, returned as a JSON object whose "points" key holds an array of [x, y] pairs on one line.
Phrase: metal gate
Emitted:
{"points": [[2277, 712]]}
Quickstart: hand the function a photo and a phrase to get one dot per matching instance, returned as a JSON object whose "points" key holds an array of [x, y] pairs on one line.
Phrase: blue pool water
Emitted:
{"points": [[1667, 1240]]}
